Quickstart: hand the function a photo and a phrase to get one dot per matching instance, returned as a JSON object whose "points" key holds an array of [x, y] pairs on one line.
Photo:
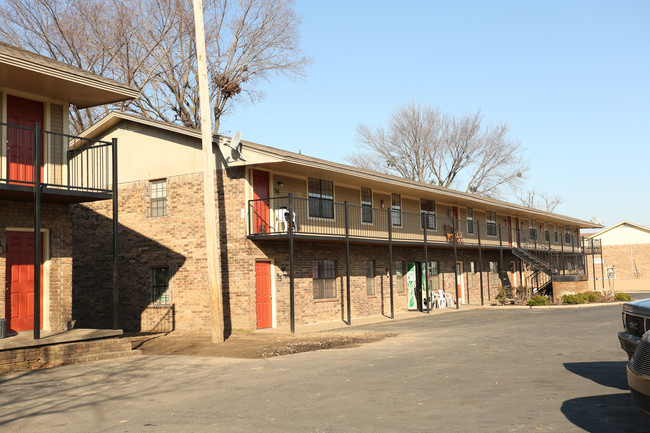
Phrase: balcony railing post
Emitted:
{"points": [[347, 261], [453, 231], [500, 254], [562, 255], [116, 269], [390, 261], [292, 304], [37, 230], [480, 261], [593, 267], [550, 255], [426, 264], [602, 270]]}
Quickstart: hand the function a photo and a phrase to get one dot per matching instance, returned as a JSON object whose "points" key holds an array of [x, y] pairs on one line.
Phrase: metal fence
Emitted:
{"points": [[317, 217], [67, 162]]}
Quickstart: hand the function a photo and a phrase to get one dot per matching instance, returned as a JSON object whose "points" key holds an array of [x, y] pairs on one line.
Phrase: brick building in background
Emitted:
{"points": [[625, 257], [268, 200]]}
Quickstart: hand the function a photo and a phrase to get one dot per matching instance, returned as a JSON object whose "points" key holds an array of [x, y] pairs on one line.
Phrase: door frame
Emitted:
{"points": [[461, 282], [45, 275], [272, 271]]}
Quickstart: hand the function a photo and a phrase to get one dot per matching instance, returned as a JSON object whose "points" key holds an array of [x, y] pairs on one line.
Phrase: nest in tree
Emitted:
{"points": [[228, 86]]}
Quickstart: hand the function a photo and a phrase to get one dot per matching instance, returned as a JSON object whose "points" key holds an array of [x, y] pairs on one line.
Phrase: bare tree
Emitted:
{"points": [[530, 198], [426, 145], [150, 45]]}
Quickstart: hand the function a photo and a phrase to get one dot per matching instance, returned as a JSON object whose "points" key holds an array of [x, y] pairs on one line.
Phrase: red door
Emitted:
{"points": [[20, 281], [263, 288], [24, 113], [261, 206]]}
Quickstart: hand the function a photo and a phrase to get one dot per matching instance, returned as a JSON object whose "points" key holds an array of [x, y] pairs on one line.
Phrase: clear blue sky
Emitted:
{"points": [[570, 77]]}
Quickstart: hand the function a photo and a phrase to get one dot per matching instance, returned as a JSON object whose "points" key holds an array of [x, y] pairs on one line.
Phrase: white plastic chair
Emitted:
{"points": [[438, 300], [447, 297]]}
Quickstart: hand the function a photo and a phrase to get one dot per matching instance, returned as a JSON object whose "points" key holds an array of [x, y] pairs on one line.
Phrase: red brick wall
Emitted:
{"points": [[56, 219], [177, 240], [624, 258]]}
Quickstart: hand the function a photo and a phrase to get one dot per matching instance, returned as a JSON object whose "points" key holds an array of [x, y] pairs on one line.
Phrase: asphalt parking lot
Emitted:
{"points": [[485, 370]]}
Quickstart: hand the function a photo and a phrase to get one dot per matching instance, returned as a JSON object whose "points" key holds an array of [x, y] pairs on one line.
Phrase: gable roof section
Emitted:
{"points": [[282, 160], [622, 223], [30, 72]]}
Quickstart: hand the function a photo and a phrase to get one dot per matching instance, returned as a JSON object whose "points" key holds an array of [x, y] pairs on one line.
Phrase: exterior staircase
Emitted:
{"points": [[535, 262]]}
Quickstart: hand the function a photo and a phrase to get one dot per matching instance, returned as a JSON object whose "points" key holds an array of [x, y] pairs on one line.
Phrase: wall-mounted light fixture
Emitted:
{"points": [[280, 183]]}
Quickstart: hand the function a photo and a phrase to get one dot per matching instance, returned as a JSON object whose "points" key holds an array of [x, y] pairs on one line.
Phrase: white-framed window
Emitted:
{"points": [[158, 197], [324, 276], [494, 274], [370, 277], [160, 286], [321, 198], [470, 221], [366, 205], [532, 230], [396, 207], [472, 274], [555, 234], [491, 223], [567, 235], [434, 271], [399, 277], [428, 209]]}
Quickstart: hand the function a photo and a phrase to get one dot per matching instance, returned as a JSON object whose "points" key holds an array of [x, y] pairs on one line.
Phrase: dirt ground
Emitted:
{"points": [[241, 344]]}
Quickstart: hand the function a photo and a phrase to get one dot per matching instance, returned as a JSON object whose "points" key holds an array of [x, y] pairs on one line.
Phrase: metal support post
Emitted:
{"points": [[390, 262], [37, 231], [426, 264], [116, 269], [347, 261], [480, 262], [292, 301], [453, 230]]}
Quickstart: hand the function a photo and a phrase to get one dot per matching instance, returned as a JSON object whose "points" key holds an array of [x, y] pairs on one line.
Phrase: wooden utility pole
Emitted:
{"points": [[211, 215]]}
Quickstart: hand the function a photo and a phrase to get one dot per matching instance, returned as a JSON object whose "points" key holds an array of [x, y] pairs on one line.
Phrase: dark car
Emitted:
{"points": [[636, 322], [638, 375]]}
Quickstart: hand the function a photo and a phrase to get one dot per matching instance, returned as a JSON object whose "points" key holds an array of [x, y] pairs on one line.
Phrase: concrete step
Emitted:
{"points": [[103, 356], [85, 350]]}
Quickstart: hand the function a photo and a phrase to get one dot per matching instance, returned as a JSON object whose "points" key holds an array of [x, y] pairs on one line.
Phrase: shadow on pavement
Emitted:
{"points": [[606, 414], [609, 412], [610, 374]]}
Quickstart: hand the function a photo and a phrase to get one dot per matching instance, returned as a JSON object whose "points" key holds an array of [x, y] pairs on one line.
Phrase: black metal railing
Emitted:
{"points": [[67, 162], [316, 217]]}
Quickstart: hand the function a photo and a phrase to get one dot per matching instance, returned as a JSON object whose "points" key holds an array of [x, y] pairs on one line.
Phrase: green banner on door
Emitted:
{"points": [[411, 285]]}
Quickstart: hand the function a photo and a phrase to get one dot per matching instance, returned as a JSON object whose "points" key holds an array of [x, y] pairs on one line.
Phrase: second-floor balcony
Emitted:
{"points": [[322, 219], [71, 169]]}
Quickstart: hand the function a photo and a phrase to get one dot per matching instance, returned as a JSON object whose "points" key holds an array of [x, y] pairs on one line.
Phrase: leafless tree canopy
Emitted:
{"points": [[422, 143], [149, 44], [544, 201]]}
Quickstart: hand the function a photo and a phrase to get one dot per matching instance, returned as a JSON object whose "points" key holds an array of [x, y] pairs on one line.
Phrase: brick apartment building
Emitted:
{"points": [[293, 231], [625, 260], [35, 95]]}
